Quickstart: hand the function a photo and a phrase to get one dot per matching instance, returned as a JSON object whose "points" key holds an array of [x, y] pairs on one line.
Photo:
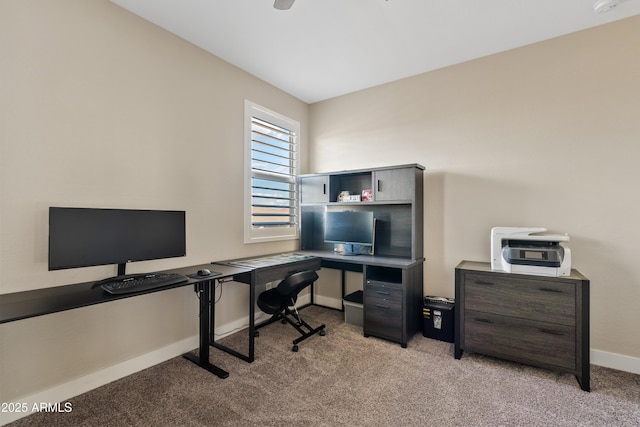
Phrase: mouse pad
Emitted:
{"points": [[196, 276]]}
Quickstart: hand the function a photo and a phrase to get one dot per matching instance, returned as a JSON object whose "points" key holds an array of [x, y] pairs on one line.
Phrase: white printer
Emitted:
{"points": [[525, 250]]}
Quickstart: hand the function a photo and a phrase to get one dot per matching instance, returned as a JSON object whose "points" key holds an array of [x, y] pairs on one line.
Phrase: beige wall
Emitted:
{"points": [[94, 102], [102, 109], [546, 135]]}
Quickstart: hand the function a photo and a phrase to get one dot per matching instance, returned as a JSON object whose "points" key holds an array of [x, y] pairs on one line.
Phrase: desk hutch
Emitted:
{"points": [[392, 278]]}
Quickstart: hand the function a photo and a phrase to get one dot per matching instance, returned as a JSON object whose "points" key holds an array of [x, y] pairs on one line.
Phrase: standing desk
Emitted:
{"points": [[252, 271], [23, 305]]}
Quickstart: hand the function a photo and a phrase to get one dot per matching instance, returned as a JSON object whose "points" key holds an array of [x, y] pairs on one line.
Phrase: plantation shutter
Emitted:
{"points": [[273, 175]]}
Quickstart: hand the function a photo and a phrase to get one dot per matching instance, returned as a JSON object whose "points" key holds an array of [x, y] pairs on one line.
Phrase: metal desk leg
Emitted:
{"points": [[252, 312], [252, 316], [343, 281], [202, 360]]}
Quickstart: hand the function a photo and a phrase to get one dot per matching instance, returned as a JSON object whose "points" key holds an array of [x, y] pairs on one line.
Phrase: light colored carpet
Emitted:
{"points": [[346, 379]]}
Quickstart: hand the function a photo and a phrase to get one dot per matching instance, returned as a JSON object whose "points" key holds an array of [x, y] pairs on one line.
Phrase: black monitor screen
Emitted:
{"points": [[351, 227], [83, 237]]}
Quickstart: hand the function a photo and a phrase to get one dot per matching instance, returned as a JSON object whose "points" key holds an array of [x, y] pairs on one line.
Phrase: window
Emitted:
{"points": [[271, 168]]}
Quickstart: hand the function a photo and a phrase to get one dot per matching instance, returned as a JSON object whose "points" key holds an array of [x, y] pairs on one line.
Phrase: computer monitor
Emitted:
{"points": [[352, 229], [84, 237]]}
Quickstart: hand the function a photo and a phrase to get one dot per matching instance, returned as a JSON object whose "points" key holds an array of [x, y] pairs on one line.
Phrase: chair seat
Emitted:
{"points": [[280, 303], [270, 301]]}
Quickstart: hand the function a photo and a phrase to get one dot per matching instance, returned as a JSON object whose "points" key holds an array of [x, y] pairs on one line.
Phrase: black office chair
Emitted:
{"points": [[280, 303]]}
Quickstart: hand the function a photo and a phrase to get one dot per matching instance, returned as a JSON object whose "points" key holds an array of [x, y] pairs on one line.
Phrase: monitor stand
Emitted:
{"points": [[121, 269], [354, 251], [347, 253]]}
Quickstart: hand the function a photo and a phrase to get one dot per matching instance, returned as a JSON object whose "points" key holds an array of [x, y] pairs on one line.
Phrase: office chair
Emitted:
{"points": [[280, 303]]}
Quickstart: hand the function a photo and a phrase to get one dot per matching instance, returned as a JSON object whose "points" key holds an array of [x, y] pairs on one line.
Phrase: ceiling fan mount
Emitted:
{"points": [[602, 6], [283, 4]]}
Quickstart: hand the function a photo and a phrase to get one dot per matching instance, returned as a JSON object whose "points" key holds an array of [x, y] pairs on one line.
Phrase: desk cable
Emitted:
{"points": [[218, 284], [239, 328]]}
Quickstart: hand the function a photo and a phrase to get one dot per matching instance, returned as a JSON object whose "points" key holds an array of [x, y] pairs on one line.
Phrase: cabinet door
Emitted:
{"points": [[394, 184], [314, 189]]}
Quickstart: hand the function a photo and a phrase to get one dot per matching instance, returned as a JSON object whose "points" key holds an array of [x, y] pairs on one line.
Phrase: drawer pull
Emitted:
{"points": [[383, 293], [482, 282], [551, 332], [479, 319], [383, 306], [558, 291]]}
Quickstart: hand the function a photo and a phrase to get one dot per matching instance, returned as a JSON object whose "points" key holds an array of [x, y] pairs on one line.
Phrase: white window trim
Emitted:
{"points": [[258, 235]]}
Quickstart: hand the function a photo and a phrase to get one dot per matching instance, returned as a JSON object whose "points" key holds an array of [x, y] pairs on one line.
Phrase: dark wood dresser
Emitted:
{"points": [[537, 320]]}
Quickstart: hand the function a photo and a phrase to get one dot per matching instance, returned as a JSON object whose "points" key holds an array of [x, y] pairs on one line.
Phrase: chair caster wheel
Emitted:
{"points": [[322, 333], [256, 334], [283, 321], [294, 348]]}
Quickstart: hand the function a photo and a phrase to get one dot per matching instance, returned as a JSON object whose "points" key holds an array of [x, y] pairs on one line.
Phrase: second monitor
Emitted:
{"points": [[354, 230]]}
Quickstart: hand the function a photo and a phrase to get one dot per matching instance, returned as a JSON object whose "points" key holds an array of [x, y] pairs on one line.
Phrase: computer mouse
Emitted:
{"points": [[204, 272]]}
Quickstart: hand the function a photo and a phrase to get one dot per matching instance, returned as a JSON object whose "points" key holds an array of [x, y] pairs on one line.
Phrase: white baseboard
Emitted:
{"points": [[240, 324], [63, 392], [328, 302], [615, 361]]}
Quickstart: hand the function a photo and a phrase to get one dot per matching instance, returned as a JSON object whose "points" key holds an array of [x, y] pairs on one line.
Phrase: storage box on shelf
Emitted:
{"points": [[353, 304]]}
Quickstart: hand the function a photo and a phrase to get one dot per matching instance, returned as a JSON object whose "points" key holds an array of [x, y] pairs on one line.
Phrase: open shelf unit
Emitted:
{"points": [[397, 205]]}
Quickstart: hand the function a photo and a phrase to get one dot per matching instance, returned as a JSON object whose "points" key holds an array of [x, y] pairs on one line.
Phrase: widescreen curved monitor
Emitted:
{"points": [[84, 237]]}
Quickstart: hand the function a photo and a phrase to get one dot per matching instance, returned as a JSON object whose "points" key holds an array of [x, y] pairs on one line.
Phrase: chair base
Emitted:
{"points": [[301, 326]]}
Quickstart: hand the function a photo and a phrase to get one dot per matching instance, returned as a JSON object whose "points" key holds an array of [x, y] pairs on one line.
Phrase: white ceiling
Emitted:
{"points": [[320, 49]]}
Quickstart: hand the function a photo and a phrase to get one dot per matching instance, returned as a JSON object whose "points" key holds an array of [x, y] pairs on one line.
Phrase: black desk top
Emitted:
{"points": [[22, 305]]}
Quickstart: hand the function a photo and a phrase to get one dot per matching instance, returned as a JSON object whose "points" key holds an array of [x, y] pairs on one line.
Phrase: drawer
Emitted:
{"points": [[383, 302], [520, 340], [384, 291], [383, 318], [384, 307], [280, 271], [541, 300]]}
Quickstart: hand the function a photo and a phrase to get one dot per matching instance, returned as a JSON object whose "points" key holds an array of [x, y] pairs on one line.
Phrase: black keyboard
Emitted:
{"points": [[141, 282]]}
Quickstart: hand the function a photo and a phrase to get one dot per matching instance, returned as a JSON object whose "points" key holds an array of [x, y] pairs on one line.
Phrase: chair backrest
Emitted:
{"points": [[293, 284]]}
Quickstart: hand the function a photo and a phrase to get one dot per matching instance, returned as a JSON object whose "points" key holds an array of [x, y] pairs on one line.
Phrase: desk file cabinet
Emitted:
{"points": [[392, 298], [536, 320]]}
